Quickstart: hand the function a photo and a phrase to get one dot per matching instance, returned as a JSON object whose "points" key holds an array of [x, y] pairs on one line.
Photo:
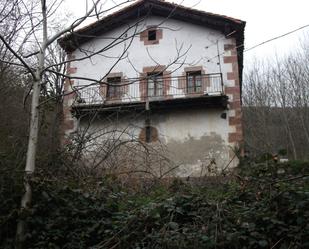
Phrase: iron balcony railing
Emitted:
{"points": [[151, 89]]}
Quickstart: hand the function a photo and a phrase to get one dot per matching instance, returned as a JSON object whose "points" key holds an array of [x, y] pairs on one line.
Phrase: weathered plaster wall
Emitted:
{"points": [[192, 138]]}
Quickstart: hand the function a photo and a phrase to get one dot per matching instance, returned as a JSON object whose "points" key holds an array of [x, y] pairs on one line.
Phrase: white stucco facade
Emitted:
{"points": [[196, 43], [193, 136]]}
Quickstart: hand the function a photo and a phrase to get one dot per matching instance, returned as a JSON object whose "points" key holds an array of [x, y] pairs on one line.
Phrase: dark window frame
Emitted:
{"points": [[158, 84], [194, 81]]}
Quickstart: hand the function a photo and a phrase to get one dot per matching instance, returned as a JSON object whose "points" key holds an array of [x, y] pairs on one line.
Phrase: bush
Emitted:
{"points": [[265, 205]]}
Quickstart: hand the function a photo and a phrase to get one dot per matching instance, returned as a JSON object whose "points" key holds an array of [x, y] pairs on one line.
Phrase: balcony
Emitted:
{"points": [[154, 90]]}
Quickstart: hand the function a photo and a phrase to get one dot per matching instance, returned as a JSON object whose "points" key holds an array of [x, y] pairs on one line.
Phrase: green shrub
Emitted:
{"points": [[262, 206]]}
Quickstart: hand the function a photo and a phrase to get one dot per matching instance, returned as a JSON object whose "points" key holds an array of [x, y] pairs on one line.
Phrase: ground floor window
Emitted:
{"points": [[148, 134]]}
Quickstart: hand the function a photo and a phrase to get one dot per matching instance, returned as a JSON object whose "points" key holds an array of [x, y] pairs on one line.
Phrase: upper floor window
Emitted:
{"points": [[155, 84], [194, 82], [113, 91], [152, 35]]}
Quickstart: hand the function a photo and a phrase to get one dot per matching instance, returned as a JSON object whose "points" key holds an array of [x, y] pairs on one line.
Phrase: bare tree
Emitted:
{"points": [[35, 51], [36, 34], [276, 105]]}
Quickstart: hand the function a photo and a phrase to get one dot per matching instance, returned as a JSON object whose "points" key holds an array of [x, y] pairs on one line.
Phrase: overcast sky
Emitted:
{"points": [[265, 19]]}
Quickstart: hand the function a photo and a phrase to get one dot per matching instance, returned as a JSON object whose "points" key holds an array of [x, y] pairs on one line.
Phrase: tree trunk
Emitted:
{"points": [[33, 133], [30, 162]]}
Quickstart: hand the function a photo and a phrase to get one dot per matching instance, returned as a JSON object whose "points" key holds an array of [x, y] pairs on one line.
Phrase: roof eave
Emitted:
{"points": [[155, 7]]}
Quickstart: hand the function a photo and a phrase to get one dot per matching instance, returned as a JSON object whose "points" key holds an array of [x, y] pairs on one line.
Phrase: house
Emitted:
{"points": [[171, 73]]}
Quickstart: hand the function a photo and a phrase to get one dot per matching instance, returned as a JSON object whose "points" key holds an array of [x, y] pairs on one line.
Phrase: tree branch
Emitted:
{"points": [[17, 56]]}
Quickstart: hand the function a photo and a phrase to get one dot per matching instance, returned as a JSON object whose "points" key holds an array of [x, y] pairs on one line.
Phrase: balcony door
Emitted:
{"points": [[194, 82], [113, 90], [155, 84]]}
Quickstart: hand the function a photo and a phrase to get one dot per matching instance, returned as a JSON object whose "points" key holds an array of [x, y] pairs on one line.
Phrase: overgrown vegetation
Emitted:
{"points": [[275, 104], [262, 205]]}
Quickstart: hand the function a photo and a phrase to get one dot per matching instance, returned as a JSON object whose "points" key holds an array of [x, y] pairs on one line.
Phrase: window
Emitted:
{"points": [[155, 84], [194, 82], [113, 91], [148, 134], [152, 35]]}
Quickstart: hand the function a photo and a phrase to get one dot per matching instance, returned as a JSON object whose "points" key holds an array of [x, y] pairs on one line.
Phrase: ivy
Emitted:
{"points": [[261, 205]]}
